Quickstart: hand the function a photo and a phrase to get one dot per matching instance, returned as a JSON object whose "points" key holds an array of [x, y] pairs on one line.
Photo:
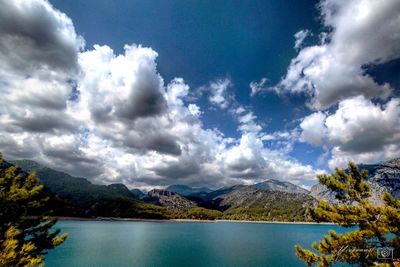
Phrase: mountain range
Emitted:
{"points": [[267, 200]]}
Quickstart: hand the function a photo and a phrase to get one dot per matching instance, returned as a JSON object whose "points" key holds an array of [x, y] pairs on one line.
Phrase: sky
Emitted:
{"points": [[202, 93]]}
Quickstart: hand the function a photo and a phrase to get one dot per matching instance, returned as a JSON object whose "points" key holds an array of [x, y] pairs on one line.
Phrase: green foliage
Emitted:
{"points": [[200, 214], [375, 227], [25, 231], [272, 206]]}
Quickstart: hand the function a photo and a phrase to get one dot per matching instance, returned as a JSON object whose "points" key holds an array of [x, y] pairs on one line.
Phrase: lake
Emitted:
{"points": [[136, 243]]}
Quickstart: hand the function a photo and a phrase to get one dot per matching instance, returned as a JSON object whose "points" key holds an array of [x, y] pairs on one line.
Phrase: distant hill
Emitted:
{"points": [[78, 197], [185, 190], [280, 186], [206, 199], [267, 200], [69, 187], [250, 202], [137, 193]]}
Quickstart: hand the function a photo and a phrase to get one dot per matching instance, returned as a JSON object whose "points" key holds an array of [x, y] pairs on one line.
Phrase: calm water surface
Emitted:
{"points": [[102, 243]]}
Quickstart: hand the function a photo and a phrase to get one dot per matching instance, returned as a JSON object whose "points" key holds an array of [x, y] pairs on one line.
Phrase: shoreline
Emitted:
{"points": [[275, 222], [105, 219]]}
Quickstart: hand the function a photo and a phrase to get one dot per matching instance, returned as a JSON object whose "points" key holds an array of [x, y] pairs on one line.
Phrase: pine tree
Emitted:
{"points": [[374, 229], [25, 230]]}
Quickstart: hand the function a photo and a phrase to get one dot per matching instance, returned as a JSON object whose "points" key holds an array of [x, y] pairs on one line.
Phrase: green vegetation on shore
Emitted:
{"points": [[288, 212]]}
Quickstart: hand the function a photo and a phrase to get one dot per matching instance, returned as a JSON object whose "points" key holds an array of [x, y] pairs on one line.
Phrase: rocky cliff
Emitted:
{"points": [[383, 177], [170, 200]]}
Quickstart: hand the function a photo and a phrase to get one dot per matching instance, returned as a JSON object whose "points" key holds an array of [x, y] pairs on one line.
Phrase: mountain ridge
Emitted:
{"points": [[183, 190], [267, 200], [82, 198]]}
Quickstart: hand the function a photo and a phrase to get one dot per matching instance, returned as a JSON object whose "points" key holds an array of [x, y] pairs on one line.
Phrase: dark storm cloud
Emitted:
{"points": [[54, 103], [100, 114], [70, 159], [246, 169], [163, 143], [370, 141], [145, 100], [12, 150], [177, 170], [45, 123], [31, 35]]}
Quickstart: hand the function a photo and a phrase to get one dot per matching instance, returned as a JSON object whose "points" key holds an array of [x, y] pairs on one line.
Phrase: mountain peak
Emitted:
{"points": [[282, 186], [120, 189]]}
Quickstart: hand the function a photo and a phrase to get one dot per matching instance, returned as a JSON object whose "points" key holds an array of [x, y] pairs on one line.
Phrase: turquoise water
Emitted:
{"points": [[116, 243]]}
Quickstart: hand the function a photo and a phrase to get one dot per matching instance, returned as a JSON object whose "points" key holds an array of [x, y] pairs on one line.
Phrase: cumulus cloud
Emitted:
{"points": [[359, 125], [358, 130], [341, 158], [245, 159], [313, 129], [128, 85], [35, 35], [363, 32], [38, 50], [110, 117]]}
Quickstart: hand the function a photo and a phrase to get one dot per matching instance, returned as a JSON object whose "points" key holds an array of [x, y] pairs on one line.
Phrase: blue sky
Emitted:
{"points": [[200, 92], [203, 41]]}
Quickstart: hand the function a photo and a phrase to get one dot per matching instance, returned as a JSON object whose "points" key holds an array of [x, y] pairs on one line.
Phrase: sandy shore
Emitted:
{"points": [[181, 220], [273, 222]]}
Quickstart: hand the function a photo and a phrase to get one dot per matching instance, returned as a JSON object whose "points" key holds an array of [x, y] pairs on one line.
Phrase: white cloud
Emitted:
{"points": [[359, 125], [300, 36], [33, 35], [247, 123], [341, 158], [219, 94], [313, 129], [116, 120], [359, 130], [258, 87], [363, 32], [38, 51], [194, 110], [123, 87], [250, 159]]}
